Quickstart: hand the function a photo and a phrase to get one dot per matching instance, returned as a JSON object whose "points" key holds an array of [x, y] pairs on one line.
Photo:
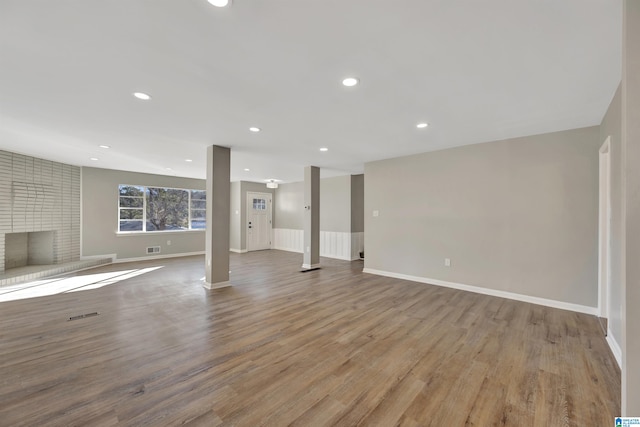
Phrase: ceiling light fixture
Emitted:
{"points": [[247, 169], [141, 95], [350, 81], [104, 146], [188, 160], [422, 125], [94, 159], [272, 183], [219, 3], [324, 149], [254, 129]]}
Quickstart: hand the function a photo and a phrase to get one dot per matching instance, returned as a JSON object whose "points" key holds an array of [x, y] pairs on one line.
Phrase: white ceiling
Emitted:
{"points": [[474, 70]]}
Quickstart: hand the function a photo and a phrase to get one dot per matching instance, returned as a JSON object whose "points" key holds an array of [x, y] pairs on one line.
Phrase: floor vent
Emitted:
{"points": [[84, 316], [153, 250]]}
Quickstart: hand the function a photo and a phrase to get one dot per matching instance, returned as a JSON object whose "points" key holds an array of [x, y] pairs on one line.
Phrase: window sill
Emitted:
{"points": [[147, 233]]}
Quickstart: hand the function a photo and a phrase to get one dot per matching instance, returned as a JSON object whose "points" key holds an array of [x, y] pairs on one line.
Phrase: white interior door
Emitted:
{"points": [[258, 221]]}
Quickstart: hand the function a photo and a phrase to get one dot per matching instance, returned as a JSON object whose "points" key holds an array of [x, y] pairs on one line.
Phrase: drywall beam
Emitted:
{"points": [[218, 217], [311, 256]]}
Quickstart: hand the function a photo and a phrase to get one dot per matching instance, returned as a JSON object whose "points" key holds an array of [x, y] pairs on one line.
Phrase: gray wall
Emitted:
{"points": [[235, 226], [631, 200], [518, 215], [611, 127], [100, 216], [341, 204], [289, 206], [335, 204], [357, 203], [40, 195]]}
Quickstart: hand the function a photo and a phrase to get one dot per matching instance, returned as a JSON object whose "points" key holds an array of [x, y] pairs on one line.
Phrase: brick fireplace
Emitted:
{"points": [[39, 211]]}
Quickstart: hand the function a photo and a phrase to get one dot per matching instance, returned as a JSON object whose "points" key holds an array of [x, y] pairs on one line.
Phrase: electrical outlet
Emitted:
{"points": [[447, 262], [376, 213], [168, 242]]}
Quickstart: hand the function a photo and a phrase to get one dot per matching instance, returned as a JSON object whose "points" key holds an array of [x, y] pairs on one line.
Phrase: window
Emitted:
{"points": [[198, 209], [142, 209], [259, 204], [131, 212]]}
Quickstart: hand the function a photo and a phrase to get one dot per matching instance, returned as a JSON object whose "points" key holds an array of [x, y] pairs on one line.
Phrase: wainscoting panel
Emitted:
{"points": [[287, 239], [333, 244]]}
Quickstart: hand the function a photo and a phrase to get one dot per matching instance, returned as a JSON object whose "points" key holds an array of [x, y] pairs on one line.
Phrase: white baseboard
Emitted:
{"points": [[486, 291], [615, 348], [310, 266], [146, 258], [286, 249], [239, 251], [218, 285]]}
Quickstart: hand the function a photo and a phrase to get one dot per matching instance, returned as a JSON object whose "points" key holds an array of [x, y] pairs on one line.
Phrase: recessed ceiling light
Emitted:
{"points": [[142, 95], [169, 169], [350, 81], [254, 129], [422, 125], [219, 3], [94, 159], [324, 149], [247, 169], [188, 160], [104, 146]]}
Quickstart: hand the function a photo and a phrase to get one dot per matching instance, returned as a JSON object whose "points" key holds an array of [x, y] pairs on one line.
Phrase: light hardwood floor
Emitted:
{"points": [[328, 347]]}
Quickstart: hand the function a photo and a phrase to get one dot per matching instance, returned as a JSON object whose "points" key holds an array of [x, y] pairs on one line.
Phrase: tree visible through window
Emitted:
{"points": [[160, 209]]}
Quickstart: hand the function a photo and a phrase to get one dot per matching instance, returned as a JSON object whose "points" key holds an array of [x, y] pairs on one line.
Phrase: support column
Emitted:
{"points": [[311, 258], [631, 208], [218, 217]]}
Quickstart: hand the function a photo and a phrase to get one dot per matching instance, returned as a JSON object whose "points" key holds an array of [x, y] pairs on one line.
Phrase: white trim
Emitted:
{"points": [[218, 285], [604, 229], [146, 258], [615, 347], [238, 251], [486, 291], [310, 266], [148, 233]]}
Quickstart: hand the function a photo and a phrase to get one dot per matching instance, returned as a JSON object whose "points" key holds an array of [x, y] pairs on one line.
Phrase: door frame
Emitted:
{"points": [[249, 203], [604, 230]]}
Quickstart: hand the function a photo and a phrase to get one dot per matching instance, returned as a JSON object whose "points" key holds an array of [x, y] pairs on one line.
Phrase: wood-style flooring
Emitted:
{"points": [[327, 347]]}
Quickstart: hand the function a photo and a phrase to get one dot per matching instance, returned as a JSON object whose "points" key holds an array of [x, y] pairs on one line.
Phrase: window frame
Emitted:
{"points": [[144, 197]]}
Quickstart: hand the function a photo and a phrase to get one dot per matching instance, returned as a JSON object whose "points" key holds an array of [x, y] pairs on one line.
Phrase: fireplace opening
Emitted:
{"points": [[33, 248]]}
